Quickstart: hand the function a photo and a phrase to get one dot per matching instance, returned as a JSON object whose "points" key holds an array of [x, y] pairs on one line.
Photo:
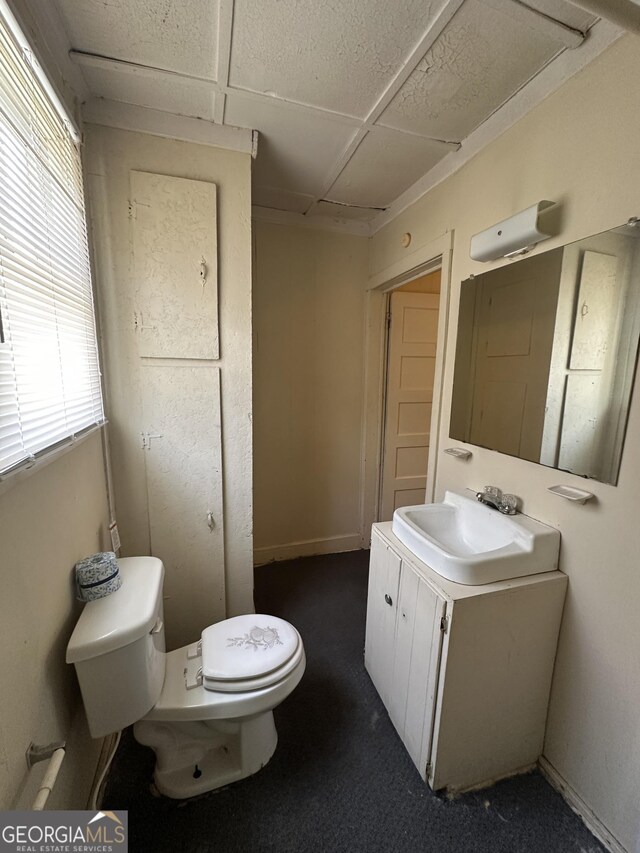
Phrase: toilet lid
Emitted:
{"points": [[247, 647]]}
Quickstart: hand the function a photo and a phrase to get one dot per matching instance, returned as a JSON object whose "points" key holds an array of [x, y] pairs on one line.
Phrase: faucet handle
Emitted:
{"points": [[493, 491], [510, 504]]}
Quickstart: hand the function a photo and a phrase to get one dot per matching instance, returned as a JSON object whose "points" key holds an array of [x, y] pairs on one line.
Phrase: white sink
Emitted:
{"points": [[467, 542]]}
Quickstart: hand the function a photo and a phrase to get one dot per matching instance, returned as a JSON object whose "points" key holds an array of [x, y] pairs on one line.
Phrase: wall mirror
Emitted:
{"points": [[546, 355]]}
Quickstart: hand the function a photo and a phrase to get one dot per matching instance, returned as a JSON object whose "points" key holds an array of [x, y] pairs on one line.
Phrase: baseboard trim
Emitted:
{"points": [[453, 793], [593, 823], [307, 548]]}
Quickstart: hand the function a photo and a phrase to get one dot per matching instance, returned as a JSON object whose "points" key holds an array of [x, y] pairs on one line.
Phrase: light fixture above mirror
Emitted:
{"points": [[514, 236]]}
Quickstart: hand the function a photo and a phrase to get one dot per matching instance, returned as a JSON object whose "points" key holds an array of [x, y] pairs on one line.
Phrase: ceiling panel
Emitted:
{"points": [[307, 73], [281, 199], [180, 35], [482, 58], [385, 164], [565, 12], [344, 211], [167, 92], [297, 148], [337, 56]]}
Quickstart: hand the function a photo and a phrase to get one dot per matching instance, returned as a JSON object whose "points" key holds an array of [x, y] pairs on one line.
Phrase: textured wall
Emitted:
{"points": [[308, 381], [48, 521], [579, 147], [110, 155]]}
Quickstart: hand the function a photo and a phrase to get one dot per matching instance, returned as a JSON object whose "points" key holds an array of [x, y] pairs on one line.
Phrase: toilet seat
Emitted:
{"points": [[248, 652]]}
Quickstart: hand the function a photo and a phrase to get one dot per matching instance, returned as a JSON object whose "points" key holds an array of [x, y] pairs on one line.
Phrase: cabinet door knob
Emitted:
{"points": [[388, 599]]}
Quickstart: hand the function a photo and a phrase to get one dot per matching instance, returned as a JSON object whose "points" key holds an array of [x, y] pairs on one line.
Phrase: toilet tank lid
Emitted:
{"points": [[124, 616]]}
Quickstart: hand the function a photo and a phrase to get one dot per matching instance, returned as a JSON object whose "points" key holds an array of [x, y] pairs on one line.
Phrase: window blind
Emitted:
{"points": [[50, 386]]}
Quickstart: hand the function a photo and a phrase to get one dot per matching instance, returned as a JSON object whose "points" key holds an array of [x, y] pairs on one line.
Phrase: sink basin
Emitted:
{"points": [[467, 542]]}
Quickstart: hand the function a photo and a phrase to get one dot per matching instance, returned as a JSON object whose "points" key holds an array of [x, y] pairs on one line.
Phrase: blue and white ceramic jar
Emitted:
{"points": [[97, 576]]}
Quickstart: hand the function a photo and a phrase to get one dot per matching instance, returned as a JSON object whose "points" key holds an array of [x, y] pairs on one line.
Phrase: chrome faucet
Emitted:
{"points": [[492, 496]]}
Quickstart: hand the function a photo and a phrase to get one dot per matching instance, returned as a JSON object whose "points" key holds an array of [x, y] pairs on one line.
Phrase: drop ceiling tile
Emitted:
{"points": [[337, 56], [481, 59], [344, 211], [281, 199], [296, 147], [180, 35], [168, 92], [385, 164]]}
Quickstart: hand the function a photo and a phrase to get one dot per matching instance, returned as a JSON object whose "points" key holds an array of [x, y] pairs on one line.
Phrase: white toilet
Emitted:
{"points": [[205, 709]]}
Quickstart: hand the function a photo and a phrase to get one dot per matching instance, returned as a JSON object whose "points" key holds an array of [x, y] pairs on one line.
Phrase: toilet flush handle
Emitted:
{"points": [[157, 627], [210, 520], [197, 680]]}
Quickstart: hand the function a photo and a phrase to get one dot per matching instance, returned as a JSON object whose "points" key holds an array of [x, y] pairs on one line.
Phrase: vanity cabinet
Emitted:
{"points": [[464, 671]]}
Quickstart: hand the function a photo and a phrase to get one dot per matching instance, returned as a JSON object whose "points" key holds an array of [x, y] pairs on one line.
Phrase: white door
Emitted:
{"points": [[410, 379], [416, 665], [382, 603], [183, 460], [402, 647]]}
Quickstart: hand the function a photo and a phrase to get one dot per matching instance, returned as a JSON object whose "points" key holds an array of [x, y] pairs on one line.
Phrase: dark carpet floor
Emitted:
{"points": [[340, 779]]}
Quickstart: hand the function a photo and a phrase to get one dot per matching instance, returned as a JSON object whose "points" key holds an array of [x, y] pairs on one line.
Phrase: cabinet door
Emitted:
{"points": [[416, 663], [384, 577], [183, 462], [174, 266]]}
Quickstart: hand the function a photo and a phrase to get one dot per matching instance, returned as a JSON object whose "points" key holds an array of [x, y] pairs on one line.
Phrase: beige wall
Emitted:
{"points": [[110, 155], [429, 283], [308, 305], [48, 521], [580, 148]]}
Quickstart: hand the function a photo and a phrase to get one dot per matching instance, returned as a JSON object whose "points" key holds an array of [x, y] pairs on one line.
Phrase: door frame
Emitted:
{"points": [[428, 258]]}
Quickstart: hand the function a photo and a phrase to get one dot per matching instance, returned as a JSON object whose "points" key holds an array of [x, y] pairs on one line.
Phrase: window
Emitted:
{"points": [[50, 387]]}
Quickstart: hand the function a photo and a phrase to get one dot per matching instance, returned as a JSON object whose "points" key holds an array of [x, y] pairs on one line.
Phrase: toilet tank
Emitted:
{"points": [[118, 648]]}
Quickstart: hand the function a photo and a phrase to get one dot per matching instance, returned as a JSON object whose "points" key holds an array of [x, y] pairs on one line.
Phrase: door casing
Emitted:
{"points": [[428, 258]]}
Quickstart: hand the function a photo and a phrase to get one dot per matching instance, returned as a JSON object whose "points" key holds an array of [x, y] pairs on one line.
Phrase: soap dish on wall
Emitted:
{"points": [[571, 494], [458, 452]]}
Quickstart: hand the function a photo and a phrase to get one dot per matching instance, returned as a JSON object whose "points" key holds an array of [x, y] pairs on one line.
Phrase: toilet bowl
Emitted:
{"points": [[204, 737], [206, 709]]}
